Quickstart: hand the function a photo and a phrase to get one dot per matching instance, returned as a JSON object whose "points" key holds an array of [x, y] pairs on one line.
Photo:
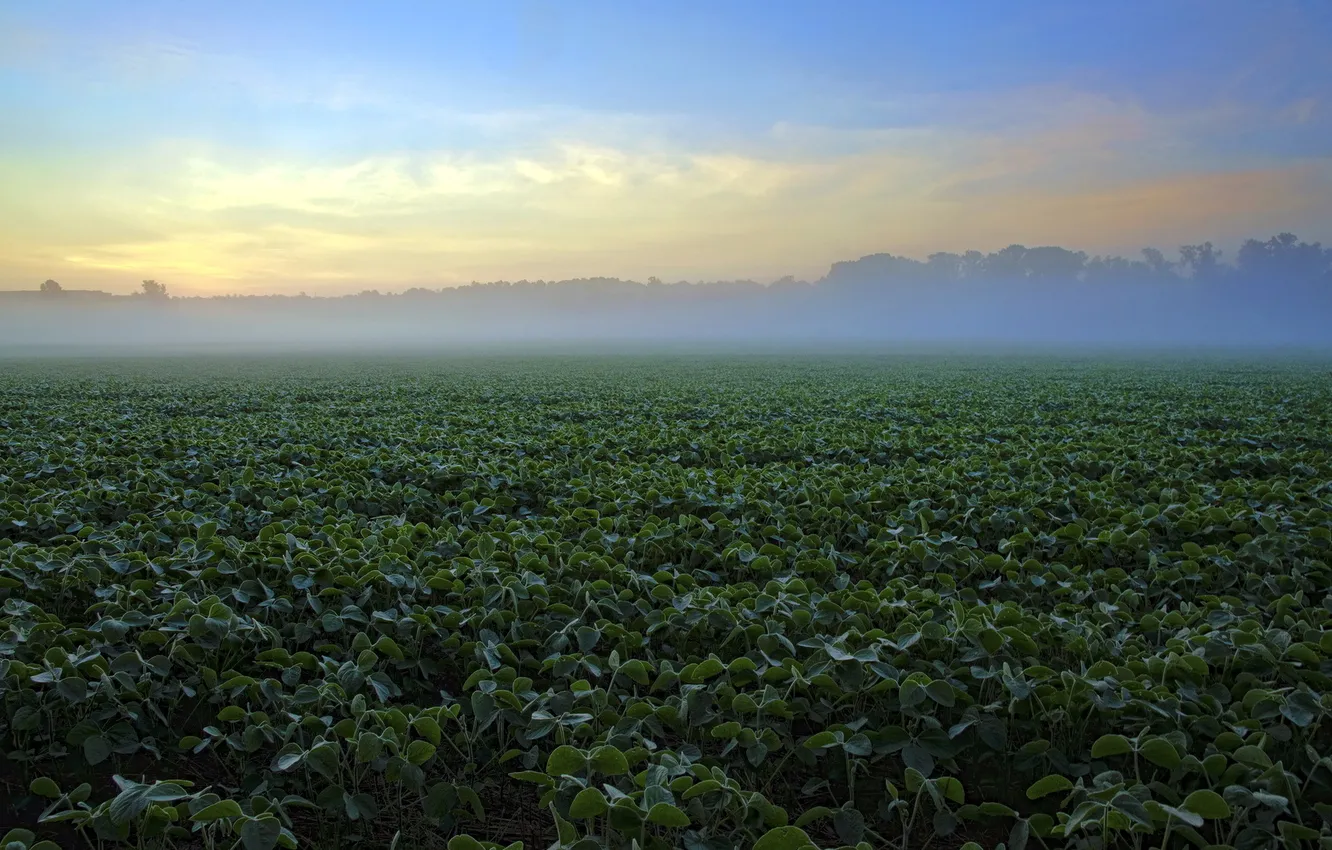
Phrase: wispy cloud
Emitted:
{"points": [[268, 175], [230, 221]]}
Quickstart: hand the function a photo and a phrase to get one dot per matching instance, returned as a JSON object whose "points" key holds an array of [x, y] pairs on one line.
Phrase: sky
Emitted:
{"points": [[330, 147]]}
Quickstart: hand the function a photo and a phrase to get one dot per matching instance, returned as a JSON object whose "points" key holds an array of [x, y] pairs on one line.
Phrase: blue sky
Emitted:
{"points": [[329, 146]]}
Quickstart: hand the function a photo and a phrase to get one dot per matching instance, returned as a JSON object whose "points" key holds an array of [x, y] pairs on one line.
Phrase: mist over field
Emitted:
{"points": [[1277, 294]]}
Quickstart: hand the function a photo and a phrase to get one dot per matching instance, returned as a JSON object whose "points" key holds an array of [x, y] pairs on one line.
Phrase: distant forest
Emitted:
{"points": [[1283, 257], [1273, 292]]}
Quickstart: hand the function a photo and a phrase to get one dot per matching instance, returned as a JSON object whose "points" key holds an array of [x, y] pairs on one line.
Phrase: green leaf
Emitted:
{"points": [[217, 811], [820, 740], [439, 800], [565, 761], [1252, 756], [849, 824], [44, 786], [951, 788], [1161, 752], [707, 786], [389, 647], [286, 761], [127, 805], [858, 745], [918, 759], [609, 761], [1132, 808], [465, 842], [1048, 785], [941, 692], [18, 836], [1207, 803], [1111, 745], [261, 833], [428, 728], [914, 779], [784, 838], [589, 803], [1019, 835], [625, 816], [635, 670], [73, 689], [164, 792], [991, 640], [360, 806], [945, 822], [324, 759], [420, 752], [1184, 816], [1292, 831], [996, 810], [811, 815], [664, 814], [1301, 708], [707, 668]]}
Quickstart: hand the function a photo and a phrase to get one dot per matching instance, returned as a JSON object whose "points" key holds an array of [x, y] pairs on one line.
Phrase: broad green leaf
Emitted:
{"points": [[941, 692], [565, 761], [609, 761], [420, 752], [1111, 745], [428, 728], [667, 815], [1183, 816], [96, 749], [1047, 785], [813, 814], [784, 838], [1161, 752], [261, 833], [589, 803], [217, 811], [951, 788], [44, 787], [1207, 803]]}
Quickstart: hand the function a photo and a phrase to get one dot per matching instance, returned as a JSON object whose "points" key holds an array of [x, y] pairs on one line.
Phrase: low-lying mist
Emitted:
{"points": [[1041, 297]]}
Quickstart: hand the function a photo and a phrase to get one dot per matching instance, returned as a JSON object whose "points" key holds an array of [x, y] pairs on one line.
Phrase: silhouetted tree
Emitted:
{"points": [[944, 266], [1053, 263], [1203, 261], [1113, 270], [1007, 264], [874, 269], [1157, 262], [1282, 258], [1279, 261]]}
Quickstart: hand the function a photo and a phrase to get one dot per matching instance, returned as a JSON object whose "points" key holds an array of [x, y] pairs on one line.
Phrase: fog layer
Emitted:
{"points": [[1278, 293]]}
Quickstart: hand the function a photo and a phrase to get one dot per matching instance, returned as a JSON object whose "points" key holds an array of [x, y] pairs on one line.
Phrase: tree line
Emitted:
{"points": [[1281, 259]]}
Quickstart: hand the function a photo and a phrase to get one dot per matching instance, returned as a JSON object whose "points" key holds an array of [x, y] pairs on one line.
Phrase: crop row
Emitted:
{"points": [[709, 604]]}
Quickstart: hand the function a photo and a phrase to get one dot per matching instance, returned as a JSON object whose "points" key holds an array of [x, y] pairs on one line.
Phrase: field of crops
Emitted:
{"points": [[709, 603]]}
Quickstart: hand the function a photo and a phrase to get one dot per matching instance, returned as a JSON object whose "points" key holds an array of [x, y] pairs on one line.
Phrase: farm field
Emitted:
{"points": [[884, 602]]}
